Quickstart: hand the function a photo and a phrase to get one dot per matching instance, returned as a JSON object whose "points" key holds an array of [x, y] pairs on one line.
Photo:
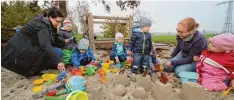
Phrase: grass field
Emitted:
{"points": [[171, 38], [156, 38]]}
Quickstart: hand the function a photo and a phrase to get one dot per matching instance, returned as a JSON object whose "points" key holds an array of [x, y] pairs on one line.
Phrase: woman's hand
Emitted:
{"points": [[232, 83], [61, 66], [66, 41], [196, 58], [168, 64]]}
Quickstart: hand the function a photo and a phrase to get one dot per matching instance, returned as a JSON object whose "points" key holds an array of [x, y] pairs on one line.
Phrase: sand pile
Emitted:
{"points": [[126, 86]]}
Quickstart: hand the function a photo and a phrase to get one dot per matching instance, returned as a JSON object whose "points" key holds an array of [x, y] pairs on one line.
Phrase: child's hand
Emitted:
{"points": [[129, 52], [196, 58], [117, 60], [61, 66], [232, 83], [168, 64]]}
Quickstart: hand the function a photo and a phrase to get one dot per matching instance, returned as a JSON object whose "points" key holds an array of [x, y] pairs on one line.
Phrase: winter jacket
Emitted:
{"points": [[77, 56], [189, 49], [67, 35], [140, 42], [114, 51], [214, 68], [29, 50]]}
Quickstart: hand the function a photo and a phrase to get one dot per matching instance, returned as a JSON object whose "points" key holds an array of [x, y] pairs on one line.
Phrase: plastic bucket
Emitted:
{"points": [[188, 77]]}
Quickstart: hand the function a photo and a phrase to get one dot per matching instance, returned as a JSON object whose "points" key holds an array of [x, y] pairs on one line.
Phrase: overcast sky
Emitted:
{"points": [[166, 14]]}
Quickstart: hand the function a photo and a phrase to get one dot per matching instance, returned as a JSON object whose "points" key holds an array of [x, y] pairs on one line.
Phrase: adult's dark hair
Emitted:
{"points": [[53, 12]]}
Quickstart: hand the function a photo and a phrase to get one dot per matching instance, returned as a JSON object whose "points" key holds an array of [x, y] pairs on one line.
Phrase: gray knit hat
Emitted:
{"points": [[83, 44], [144, 21]]}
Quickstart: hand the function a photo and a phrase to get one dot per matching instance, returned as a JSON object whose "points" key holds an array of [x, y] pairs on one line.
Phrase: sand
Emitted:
{"points": [[15, 87]]}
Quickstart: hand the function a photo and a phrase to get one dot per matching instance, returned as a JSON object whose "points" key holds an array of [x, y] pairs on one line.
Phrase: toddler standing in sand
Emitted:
{"points": [[67, 33], [141, 45]]}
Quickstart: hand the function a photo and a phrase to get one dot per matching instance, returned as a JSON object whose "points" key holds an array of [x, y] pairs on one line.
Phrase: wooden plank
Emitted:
{"points": [[91, 32], [115, 27], [109, 39], [110, 18], [110, 22], [130, 25]]}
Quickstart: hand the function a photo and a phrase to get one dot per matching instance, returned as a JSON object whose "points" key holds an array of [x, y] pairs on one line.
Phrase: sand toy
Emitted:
{"points": [[47, 77]]}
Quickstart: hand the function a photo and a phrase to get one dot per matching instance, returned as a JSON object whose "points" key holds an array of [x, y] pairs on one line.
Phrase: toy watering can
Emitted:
{"points": [[76, 83], [90, 70]]}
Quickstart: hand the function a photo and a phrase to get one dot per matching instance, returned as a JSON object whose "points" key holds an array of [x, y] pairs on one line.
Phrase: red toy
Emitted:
{"points": [[51, 93], [76, 71], [94, 64]]}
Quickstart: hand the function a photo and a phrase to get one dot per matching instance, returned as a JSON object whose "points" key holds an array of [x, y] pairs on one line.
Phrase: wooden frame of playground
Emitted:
{"points": [[89, 23]]}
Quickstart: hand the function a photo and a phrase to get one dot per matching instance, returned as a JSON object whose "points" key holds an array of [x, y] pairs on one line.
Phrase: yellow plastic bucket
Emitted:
{"points": [[77, 95]]}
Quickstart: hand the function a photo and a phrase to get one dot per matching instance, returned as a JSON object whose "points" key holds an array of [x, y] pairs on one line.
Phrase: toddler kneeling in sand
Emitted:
{"points": [[216, 64]]}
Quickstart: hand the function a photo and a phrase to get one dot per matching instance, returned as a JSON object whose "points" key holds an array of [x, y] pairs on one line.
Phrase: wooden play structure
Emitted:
{"points": [[107, 42]]}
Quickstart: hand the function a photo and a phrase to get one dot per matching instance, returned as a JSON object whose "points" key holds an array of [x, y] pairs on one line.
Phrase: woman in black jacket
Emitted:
{"points": [[36, 46]]}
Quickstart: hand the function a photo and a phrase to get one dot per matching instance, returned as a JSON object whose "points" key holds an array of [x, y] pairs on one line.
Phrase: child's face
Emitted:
{"points": [[145, 29], [68, 28], [120, 40], [212, 48], [82, 51], [182, 31]]}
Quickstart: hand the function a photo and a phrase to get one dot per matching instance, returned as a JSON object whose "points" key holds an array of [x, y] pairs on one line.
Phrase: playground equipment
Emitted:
{"points": [[89, 29]]}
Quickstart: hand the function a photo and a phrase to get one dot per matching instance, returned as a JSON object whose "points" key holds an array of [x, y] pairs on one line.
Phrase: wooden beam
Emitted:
{"points": [[110, 18], [91, 32], [109, 39], [112, 22], [130, 25]]}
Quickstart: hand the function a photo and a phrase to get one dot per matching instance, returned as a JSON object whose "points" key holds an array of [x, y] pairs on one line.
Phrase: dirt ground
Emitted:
{"points": [[119, 87]]}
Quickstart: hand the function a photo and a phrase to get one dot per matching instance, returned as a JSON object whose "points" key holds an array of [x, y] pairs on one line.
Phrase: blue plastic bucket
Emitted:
{"points": [[188, 77]]}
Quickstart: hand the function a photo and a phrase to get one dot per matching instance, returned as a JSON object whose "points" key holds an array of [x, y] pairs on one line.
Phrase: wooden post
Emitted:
{"points": [[91, 32], [115, 26], [130, 26]]}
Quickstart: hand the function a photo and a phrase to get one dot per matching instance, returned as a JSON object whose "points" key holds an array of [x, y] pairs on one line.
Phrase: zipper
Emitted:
{"points": [[143, 49]]}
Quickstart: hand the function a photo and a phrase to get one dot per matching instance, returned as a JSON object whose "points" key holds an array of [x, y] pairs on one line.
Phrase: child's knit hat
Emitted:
{"points": [[144, 21], [223, 41], [83, 44], [67, 22], [117, 35]]}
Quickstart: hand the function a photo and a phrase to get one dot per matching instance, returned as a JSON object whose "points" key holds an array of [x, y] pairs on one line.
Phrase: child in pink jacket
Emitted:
{"points": [[216, 64]]}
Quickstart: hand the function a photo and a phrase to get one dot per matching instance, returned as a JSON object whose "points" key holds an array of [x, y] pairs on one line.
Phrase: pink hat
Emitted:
{"points": [[223, 41], [67, 22]]}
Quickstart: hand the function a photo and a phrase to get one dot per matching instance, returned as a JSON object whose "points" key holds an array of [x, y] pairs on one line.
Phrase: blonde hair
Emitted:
{"points": [[189, 23]]}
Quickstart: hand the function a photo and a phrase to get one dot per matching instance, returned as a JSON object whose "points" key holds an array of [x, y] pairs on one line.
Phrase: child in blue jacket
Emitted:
{"points": [[82, 55], [141, 45], [118, 52]]}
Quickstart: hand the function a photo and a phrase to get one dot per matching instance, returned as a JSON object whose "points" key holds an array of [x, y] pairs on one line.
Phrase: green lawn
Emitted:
{"points": [[157, 38], [171, 38]]}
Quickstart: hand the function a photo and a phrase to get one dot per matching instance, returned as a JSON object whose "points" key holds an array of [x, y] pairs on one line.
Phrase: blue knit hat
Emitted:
{"points": [[144, 21], [83, 44]]}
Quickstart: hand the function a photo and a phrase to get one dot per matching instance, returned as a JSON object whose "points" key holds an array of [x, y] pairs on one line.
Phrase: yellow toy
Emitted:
{"points": [[225, 93], [102, 75], [37, 89], [47, 77], [114, 70], [77, 95], [38, 82]]}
